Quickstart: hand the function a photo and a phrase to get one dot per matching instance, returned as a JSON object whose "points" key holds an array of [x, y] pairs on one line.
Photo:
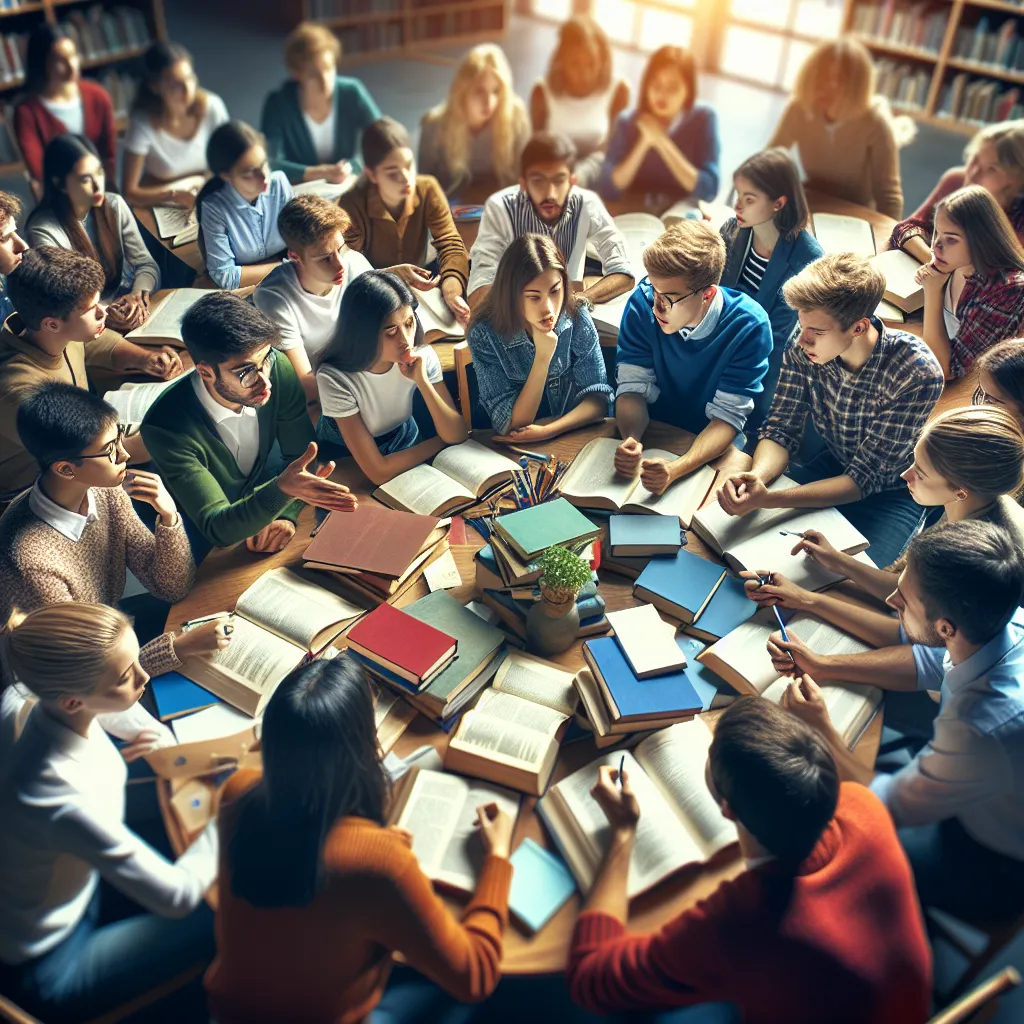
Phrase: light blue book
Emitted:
{"points": [[541, 884]]}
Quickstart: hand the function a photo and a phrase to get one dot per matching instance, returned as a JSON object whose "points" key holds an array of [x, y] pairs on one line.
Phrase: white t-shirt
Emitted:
{"points": [[322, 133], [166, 157], [306, 321], [384, 400], [70, 113]]}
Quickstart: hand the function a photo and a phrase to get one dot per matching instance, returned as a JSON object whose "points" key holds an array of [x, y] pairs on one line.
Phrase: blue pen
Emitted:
{"points": [[525, 463], [622, 764], [782, 627]]}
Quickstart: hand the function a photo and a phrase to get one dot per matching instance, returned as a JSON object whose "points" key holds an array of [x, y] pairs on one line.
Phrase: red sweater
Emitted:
{"points": [[842, 941], [34, 126]]}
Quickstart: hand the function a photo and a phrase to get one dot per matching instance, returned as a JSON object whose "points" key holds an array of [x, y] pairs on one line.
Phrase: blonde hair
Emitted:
{"points": [[1008, 138], [990, 238], [846, 286], [61, 649], [510, 115], [690, 249], [306, 41]]}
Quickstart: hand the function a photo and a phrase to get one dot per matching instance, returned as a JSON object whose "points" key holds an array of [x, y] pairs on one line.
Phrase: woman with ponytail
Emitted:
{"points": [[316, 893], [63, 838], [237, 208], [76, 212]]}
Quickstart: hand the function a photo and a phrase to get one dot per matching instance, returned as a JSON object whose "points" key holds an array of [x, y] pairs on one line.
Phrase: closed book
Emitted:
{"points": [[647, 641], [728, 608], [175, 695], [665, 698], [680, 586], [371, 539], [411, 648], [541, 885], [535, 529], [632, 536]]}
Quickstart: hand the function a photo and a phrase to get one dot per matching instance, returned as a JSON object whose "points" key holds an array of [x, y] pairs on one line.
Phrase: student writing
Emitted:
{"points": [[77, 212], [237, 208], [974, 283], [369, 377], [536, 352], [312, 123], [65, 846]]}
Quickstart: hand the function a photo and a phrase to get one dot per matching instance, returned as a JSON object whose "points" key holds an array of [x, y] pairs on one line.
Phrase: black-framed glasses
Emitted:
{"points": [[123, 430], [248, 375], [661, 298]]}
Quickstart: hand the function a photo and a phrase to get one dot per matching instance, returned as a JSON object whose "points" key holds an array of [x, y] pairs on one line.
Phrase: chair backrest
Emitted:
{"points": [[15, 1014], [965, 1008], [472, 411]]}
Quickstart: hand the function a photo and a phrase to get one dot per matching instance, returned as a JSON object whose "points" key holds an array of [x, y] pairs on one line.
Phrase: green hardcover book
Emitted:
{"points": [[540, 527]]}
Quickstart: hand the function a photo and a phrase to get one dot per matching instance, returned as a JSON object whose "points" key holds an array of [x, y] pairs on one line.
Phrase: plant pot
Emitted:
{"points": [[552, 625]]}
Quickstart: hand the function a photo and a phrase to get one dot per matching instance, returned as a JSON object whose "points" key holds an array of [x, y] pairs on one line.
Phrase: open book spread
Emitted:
{"points": [[837, 233], [901, 288], [458, 476], [592, 482], [741, 658], [510, 735], [439, 811], [164, 323], [435, 315], [133, 400], [680, 823]]}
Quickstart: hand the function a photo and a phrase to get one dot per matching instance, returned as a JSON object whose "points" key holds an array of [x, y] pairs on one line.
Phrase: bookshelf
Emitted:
{"points": [[955, 64], [107, 35]]}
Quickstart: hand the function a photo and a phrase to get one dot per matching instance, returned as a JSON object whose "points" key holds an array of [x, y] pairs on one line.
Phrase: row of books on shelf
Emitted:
{"points": [[122, 88], [921, 26], [978, 100], [985, 43], [353, 8], [383, 35], [905, 85], [458, 23], [105, 32]]}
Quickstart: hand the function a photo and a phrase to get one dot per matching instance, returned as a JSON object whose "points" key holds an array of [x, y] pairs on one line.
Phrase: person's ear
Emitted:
{"points": [[51, 324], [522, 185], [861, 326], [64, 469], [206, 372], [946, 630], [780, 203], [961, 495], [293, 256], [572, 179], [69, 704], [727, 811]]}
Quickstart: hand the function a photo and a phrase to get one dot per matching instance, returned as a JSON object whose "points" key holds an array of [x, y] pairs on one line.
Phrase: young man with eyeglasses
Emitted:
{"points": [[213, 434], [547, 201], [74, 535], [690, 353]]}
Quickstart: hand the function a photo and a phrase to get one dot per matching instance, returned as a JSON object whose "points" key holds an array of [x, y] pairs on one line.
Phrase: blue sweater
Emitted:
{"points": [[695, 133], [689, 372]]}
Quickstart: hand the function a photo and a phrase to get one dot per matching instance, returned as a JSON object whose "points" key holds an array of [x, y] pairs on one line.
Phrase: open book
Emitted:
{"points": [[133, 400], [164, 324], [901, 289], [458, 477], [754, 541], [838, 233], [741, 659], [592, 482], [278, 622], [511, 735], [439, 810], [325, 189], [680, 823], [437, 319]]}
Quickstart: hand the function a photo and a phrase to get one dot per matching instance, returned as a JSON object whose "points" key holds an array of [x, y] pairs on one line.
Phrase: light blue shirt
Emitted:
{"points": [[973, 767], [237, 232]]}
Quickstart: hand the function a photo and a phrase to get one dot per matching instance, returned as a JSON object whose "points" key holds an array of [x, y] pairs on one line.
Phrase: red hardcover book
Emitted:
{"points": [[393, 638]]}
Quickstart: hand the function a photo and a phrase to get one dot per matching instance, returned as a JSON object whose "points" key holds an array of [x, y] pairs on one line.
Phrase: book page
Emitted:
{"points": [[517, 730], [724, 531], [259, 658], [293, 607], [325, 189], [174, 220], [532, 680], [133, 401], [473, 465], [423, 489], [850, 705], [836, 233], [592, 474], [211, 724], [435, 315], [165, 320], [675, 759], [639, 230], [682, 499]]}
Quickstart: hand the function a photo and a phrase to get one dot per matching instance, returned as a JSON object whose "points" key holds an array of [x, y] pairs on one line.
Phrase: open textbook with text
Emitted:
{"points": [[164, 324], [133, 399]]}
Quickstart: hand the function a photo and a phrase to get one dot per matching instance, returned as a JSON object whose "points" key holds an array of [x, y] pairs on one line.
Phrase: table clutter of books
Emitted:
{"points": [[443, 643]]}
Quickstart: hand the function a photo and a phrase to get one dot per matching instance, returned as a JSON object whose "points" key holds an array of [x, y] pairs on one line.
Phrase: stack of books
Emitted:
{"points": [[512, 608], [992, 43], [531, 531]]}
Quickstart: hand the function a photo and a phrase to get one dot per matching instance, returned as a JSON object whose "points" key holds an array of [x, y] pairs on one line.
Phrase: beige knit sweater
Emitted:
{"points": [[39, 566]]}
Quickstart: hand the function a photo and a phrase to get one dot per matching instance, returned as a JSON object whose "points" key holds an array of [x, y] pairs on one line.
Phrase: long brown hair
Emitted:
{"points": [[773, 172], [680, 60], [990, 237], [527, 257], [581, 33], [155, 61]]}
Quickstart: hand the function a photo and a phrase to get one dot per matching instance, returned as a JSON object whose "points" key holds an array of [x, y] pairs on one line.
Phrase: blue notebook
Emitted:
{"points": [[541, 884], [176, 696], [634, 536], [679, 586], [728, 608], [630, 699]]}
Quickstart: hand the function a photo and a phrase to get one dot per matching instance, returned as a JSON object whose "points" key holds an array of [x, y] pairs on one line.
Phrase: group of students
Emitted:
{"points": [[747, 337]]}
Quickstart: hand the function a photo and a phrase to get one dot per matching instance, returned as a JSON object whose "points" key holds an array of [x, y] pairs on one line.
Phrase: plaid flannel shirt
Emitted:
{"points": [[870, 420], [990, 310]]}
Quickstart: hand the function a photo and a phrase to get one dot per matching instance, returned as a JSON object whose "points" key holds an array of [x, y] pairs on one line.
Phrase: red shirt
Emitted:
{"points": [[841, 941]]}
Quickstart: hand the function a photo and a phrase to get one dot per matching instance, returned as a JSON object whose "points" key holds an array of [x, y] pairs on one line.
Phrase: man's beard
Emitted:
{"points": [[545, 220], [225, 392], [929, 637]]}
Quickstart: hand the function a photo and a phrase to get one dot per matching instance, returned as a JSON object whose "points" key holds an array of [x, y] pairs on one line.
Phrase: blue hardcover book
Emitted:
{"points": [[635, 536], [679, 586], [728, 608], [591, 606], [176, 696], [669, 697], [541, 884], [711, 688]]}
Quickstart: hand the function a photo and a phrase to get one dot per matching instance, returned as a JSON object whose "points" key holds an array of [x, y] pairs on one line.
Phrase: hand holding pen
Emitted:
{"points": [[617, 799], [205, 635], [772, 588]]}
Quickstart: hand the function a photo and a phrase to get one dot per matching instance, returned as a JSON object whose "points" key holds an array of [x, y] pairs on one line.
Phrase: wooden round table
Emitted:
{"points": [[227, 572]]}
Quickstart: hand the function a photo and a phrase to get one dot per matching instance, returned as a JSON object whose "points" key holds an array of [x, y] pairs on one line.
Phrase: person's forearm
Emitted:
{"points": [[834, 490], [148, 195], [387, 467], [877, 582], [631, 416], [255, 272], [129, 356], [450, 425], [623, 174], [891, 668], [935, 335], [711, 442], [608, 895], [608, 287], [770, 461], [917, 247], [524, 412], [591, 409], [873, 627], [679, 167]]}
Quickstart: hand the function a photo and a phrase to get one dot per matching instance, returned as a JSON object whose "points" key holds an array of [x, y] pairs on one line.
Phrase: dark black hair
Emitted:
{"points": [[368, 300], [226, 146], [777, 775], [379, 138], [40, 42], [59, 421], [321, 762], [970, 573], [59, 158], [50, 281], [547, 148], [222, 325]]}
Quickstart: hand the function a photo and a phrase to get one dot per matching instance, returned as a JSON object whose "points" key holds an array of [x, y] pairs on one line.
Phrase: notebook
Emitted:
{"points": [[535, 529], [175, 695], [541, 885]]}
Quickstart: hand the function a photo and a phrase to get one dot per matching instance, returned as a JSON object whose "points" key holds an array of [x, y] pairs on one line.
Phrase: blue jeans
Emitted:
{"points": [[888, 518], [101, 966], [331, 446]]}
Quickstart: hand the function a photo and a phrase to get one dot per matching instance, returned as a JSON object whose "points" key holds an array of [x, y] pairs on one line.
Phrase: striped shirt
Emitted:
{"points": [[871, 419], [525, 220], [754, 266]]}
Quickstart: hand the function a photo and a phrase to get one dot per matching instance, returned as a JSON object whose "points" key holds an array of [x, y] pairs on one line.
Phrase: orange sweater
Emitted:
{"points": [[328, 962]]}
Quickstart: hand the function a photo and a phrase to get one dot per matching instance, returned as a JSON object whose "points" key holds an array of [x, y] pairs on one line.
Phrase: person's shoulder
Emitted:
{"points": [[701, 111], [1007, 514], [806, 247], [280, 284], [910, 359], [504, 195], [360, 845], [93, 92], [119, 205], [172, 407], [429, 187], [430, 357], [739, 307], [349, 88], [238, 785], [216, 108], [582, 316], [355, 197]]}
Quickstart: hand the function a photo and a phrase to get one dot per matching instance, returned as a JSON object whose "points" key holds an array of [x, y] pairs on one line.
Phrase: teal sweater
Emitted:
{"points": [[289, 144], [200, 471]]}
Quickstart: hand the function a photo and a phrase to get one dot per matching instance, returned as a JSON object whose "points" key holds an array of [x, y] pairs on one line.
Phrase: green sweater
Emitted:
{"points": [[200, 471]]}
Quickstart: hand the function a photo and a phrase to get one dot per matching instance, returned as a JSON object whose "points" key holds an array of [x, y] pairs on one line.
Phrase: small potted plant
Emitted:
{"points": [[553, 621]]}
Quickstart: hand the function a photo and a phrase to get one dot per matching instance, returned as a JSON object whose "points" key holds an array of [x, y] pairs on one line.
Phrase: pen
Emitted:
{"points": [[790, 533], [192, 623], [782, 627], [536, 456], [622, 764]]}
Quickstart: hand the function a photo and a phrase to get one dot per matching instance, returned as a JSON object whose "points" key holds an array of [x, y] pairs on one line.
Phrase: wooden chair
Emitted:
{"points": [[465, 379], [968, 1007], [998, 935]]}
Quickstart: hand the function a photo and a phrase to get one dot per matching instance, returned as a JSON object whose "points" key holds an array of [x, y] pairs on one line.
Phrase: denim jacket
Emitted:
{"points": [[502, 366]]}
